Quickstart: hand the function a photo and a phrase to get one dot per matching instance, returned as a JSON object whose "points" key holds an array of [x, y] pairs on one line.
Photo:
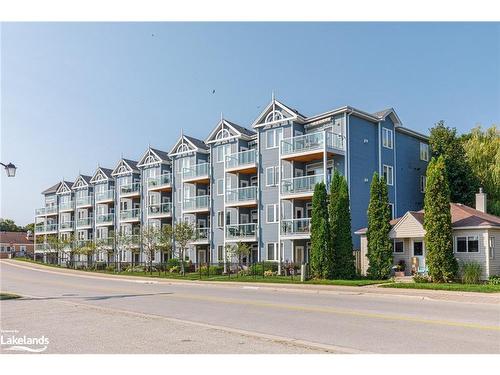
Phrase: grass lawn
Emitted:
{"points": [[233, 277], [483, 288], [8, 296]]}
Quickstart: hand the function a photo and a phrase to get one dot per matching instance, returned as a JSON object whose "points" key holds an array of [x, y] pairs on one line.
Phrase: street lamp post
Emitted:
{"points": [[10, 169]]}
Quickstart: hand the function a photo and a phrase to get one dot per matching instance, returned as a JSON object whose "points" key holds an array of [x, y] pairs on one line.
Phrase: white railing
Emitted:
{"points": [[105, 195], [241, 231], [243, 194], [291, 227], [196, 203], [196, 171], [241, 159], [46, 210], [159, 181], [132, 214], [132, 188], [105, 218], [312, 142], [160, 209], [300, 185], [84, 201], [84, 222]]}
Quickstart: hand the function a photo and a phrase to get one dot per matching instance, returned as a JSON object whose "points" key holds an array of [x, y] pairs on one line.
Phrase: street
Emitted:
{"points": [[91, 313]]}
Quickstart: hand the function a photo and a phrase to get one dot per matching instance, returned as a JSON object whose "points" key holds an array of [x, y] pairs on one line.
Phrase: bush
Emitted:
{"points": [[214, 270], [110, 267], [174, 269], [494, 280], [173, 263], [471, 272], [270, 273], [135, 269], [421, 278]]}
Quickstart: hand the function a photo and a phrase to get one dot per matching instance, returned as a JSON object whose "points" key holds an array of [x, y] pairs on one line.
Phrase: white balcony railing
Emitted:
{"points": [[66, 225], [241, 231], [44, 228], [196, 203], [160, 181], [48, 210], [300, 185], [196, 171], [133, 188], [105, 195], [84, 201], [201, 234], [241, 159], [84, 222], [105, 218], [132, 214], [312, 142], [160, 209], [241, 195], [67, 206], [296, 227]]}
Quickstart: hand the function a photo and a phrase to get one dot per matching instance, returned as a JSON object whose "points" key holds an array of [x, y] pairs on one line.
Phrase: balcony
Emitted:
{"points": [[82, 243], [66, 206], [105, 219], [300, 187], [84, 222], [242, 162], [45, 228], [296, 228], [201, 235], [162, 182], [196, 204], [196, 173], [45, 211], [244, 196], [105, 242], [84, 201], [105, 196], [311, 146], [41, 247], [130, 189], [66, 226], [241, 232], [130, 215], [160, 210]]}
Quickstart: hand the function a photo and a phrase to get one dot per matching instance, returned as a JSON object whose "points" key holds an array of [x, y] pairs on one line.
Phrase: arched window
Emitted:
{"points": [[274, 116], [182, 148], [223, 133], [150, 159]]}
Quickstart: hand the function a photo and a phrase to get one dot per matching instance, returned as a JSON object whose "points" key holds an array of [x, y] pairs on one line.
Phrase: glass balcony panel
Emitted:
{"points": [[241, 159], [84, 222], [130, 188], [334, 140], [196, 203], [300, 185], [162, 180], [105, 218], [130, 214], [235, 231], [84, 201], [303, 143], [66, 225], [198, 170], [159, 209], [105, 195], [69, 205], [296, 226], [244, 194], [201, 233]]}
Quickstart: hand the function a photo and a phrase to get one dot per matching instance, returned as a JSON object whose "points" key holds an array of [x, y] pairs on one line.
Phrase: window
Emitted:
{"points": [[423, 181], [271, 213], [391, 207], [221, 152], [468, 244], [22, 248], [274, 137], [388, 174], [272, 176], [271, 251], [491, 247], [220, 253], [424, 151], [418, 248], [220, 186], [387, 138], [398, 246], [220, 219]]}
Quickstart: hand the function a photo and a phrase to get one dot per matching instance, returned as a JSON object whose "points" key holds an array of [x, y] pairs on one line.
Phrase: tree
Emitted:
{"points": [[463, 183], [88, 248], [340, 226], [8, 225], [30, 227], [166, 240], [184, 232], [237, 250], [59, 245], [123, 242], [482, 149], [379, 244], [321, 252], [437, 223], [150, 241]]}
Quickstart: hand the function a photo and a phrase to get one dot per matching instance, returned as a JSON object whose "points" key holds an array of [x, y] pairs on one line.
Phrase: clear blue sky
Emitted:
{"points": [[75, 95]]}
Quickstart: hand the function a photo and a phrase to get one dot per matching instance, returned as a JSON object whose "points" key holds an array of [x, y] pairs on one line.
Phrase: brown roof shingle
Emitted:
{"points": [[15, 238]]}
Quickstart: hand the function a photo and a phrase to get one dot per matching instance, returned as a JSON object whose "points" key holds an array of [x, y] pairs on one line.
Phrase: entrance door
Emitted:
{"points": [[202, 256], [419, 253], [298, 255]]}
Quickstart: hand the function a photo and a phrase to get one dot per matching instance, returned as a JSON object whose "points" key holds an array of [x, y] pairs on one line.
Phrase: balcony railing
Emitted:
{"points": [[241, 159], [201, 234], [130, 188], [105, 218], [42, 247], [44, 228], [66, 225], [300, 185], [160, 209], [196, 203], [292, 227], [196, 171], [84, 222], [311, 142], [82, 243], [241, 195], [159, 181], [109, 241], [84, 201], [105, 195], [130, 214], [64, 206], [46, 210], [241, 231]]}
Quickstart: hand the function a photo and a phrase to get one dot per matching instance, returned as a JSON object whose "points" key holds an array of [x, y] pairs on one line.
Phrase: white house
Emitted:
{"points": [[476, 237]]}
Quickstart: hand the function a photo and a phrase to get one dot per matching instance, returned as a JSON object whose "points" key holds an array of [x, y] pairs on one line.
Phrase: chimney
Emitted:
{"points": [[481, 201]]}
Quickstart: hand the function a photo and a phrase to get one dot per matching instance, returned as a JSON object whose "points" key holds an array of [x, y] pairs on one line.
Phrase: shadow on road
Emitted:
{"points": [[91, 298]]}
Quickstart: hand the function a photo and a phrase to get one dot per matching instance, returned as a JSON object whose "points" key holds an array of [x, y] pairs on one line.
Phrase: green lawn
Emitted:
{"points": [[482, 288], [8, 296]]}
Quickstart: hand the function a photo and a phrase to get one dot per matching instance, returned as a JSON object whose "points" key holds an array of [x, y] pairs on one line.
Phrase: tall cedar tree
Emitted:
{"points": [[437, 223], [444, 142], [379, 244], [340, 227], [321, 254]]}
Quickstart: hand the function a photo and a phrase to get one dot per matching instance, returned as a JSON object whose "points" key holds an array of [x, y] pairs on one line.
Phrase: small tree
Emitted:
{"points": [[150, 241], [123, 242], [184, 232], [321, 254], [379, 244], [240, 250], [437, 223], [166, 240], [87, 249]]}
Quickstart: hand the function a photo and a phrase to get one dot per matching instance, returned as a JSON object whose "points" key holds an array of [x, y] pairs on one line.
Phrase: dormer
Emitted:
{"points": [[277, 113]]}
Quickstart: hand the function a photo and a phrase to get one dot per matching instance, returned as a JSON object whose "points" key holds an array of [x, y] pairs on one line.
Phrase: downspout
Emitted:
{"points": [[379, 150]]}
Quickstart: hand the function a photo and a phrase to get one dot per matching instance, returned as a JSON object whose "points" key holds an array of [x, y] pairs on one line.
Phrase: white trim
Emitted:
{"points": [[275, 213], [420, 151], [388, 131], [399, 240], [392, 174]]}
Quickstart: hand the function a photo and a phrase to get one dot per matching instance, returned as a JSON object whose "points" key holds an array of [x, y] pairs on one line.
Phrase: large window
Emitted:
{"points": [[491, 247], [272, 253], [424, 151], [388, 174], [469, 244], [220, 219], [387, 138], [272, 176], [221, 152], [220, 253], [271, 213], [273, 137]]}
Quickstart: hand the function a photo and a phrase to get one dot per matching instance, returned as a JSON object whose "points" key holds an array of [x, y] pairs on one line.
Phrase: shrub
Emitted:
{"points": [[494, 280], [173, 263], [174, 269], [421, 278], [135, 269], [471, 272], [243, 272], [401, 267], [270, 273], [110, 267], [214, 270]]}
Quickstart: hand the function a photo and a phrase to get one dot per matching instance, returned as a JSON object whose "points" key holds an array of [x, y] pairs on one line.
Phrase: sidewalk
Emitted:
{"points": [[441, 295]]}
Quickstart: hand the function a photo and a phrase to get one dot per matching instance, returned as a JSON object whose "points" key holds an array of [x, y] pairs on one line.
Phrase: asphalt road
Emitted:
{"points": [[88, 313]]}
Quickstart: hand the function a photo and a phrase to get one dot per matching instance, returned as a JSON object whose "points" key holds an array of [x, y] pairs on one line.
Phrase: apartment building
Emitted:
{"points": [[252, 184]]}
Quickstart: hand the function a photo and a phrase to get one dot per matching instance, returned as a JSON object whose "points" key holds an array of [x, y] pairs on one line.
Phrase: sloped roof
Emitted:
{"points": [[161, 154], [52, 189], [197, 142], [106, 171], [242, 129], [461, 216], [383, 113], [15, 238], [132, 164]]}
